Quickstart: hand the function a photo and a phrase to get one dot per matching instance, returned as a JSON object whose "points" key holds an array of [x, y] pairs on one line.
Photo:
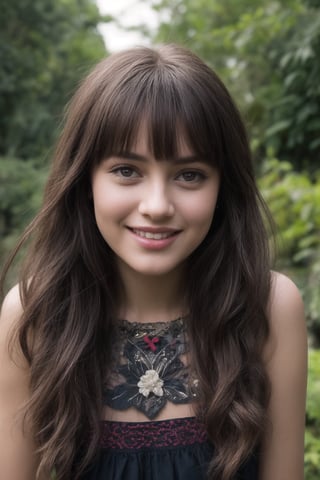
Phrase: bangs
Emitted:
{"points": [[170, 105]]}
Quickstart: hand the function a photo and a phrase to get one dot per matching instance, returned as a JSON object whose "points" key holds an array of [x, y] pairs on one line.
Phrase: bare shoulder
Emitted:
{"points": [[17, 454], [285, 299], [13, 364], [10, 314], [11, 309], [286, 313], [286, 364], [12, 301], [288, 331]]}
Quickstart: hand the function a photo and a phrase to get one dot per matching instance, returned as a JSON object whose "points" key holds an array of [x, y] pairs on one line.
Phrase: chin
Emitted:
{"points": [[153, 270]]}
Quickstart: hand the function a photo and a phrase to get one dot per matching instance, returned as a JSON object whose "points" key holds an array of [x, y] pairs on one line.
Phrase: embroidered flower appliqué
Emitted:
{"points": [[149, 370], [150, 382]]}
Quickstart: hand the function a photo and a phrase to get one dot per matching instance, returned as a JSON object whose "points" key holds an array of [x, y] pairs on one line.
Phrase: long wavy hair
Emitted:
{"points": [[69, 279]]}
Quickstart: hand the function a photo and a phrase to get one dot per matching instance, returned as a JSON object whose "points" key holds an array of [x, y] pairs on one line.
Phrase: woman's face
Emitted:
{"points": [[154, 214]]}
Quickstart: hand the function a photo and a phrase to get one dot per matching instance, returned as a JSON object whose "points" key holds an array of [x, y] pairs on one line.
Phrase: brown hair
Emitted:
{"points": [[67, 285]]}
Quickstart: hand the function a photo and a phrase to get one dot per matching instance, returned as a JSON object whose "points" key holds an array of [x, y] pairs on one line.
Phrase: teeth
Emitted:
{"points": [[153, 236]]}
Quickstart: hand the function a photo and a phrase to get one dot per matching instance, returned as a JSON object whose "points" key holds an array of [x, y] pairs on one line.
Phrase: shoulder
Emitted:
{"points": [[286, 349], [10, 314], [17, 452], [284, 294], [11, 307], [285, 311], [285, 358]]}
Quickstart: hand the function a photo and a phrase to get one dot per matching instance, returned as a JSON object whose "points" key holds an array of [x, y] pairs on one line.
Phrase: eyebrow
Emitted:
{"points": [[179, 160]]}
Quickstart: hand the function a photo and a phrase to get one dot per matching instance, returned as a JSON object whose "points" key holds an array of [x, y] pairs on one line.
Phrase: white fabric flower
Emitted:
{"points": [[150, 382]]}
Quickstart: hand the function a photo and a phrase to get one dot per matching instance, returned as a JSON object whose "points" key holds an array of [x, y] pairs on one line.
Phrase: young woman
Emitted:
{"points": [[147, 338]]}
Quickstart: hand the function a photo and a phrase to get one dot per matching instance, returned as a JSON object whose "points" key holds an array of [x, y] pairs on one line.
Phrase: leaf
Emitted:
{"points": [[278, 127], [313, 404]]}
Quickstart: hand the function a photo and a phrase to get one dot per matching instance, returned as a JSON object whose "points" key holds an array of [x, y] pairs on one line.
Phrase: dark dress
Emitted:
{"points": [[174, 449], [148, 371]]}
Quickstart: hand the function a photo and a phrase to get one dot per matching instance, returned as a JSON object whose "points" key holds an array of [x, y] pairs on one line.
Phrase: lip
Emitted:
{"points": [[170, 235], [155, 229]]}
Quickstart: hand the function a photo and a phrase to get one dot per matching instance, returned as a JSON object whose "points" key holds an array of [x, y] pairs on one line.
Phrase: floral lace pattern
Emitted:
{"points": [[148, 370], [176, 432]]}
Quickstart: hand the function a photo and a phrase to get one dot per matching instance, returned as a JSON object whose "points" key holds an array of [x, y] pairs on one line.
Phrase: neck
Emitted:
{"points": [[148, 299]]}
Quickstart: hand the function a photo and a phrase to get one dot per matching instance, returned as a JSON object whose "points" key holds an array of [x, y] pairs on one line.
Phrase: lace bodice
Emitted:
{"points": [[149, 367]]}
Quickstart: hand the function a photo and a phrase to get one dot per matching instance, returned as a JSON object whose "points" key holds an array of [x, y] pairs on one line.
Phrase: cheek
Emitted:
{"points": [[109, 202], [200, 211]]}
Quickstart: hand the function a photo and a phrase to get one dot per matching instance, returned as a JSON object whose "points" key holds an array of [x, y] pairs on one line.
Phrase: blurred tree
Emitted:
{"points": [[20, 195], [268, 54], [294, 201], [294, 113], [312, 437], [46, 46]]}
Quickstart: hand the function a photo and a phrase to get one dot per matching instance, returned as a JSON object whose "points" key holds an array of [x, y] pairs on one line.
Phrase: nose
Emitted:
{"points": [[156, 202]]}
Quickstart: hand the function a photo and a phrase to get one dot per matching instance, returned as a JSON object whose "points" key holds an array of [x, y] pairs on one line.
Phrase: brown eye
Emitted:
{"points": [[191, 176], [125, 172]]}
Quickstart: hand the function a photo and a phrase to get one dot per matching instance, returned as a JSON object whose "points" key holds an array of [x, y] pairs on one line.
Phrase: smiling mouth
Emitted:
{"points": [[153, 235]]}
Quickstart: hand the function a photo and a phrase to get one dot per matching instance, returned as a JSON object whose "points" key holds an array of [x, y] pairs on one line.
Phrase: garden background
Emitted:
{"points": [[268, 54]]}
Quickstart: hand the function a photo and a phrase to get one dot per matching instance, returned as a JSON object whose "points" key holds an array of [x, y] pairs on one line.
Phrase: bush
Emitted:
{"points": [[294, 201], [312, 436]]}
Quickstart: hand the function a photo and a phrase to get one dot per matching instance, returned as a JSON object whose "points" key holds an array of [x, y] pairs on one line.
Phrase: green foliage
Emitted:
{"points": [[294, 201], [20, 195], [312, 455], [312, 437], [45, 47], [294, 117], [268, 54], [313, 404]]}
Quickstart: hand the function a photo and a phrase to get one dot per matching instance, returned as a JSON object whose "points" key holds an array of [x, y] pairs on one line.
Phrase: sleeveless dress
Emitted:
{"points": [[149, 370]]}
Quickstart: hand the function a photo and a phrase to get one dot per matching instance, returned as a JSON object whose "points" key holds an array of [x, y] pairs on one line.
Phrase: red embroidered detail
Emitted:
{"points": [[151, 342], [159, 434]]}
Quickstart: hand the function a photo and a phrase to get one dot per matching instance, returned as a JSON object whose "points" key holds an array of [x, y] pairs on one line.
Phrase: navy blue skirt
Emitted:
{"points": [[175, 449]]}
